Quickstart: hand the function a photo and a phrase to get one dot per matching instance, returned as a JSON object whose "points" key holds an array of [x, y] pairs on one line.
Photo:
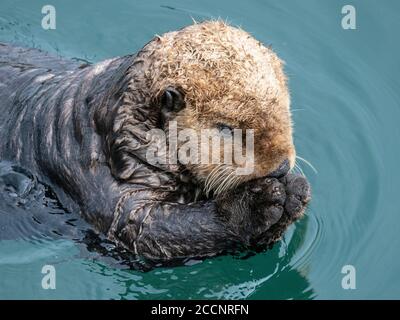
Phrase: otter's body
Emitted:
{"points": [[82, 130]]}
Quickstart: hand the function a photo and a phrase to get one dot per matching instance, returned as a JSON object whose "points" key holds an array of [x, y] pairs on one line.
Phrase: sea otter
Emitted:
{"points": [[83, 129]]}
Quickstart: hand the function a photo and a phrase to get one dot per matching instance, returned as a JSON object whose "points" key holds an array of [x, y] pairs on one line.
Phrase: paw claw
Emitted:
{"points": [[275, 192]]}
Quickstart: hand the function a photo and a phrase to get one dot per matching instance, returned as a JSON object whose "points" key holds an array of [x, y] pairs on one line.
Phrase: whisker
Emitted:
{"points": [[220, 179], [221, 186], [233, 182], [308, 163], [226, 179], [210, 178], [217, 177], [300, 170], [238, 180]]}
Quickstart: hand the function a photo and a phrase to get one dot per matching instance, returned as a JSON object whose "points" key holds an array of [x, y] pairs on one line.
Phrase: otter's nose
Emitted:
{"points": [[282, 170]]}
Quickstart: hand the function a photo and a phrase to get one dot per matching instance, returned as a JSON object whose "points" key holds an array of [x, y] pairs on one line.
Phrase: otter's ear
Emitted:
{"points": [[172, 100]]}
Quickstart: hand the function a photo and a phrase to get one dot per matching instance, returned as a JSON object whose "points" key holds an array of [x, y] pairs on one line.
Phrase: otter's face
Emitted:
{"points": [[218, 78], [272, 153]]}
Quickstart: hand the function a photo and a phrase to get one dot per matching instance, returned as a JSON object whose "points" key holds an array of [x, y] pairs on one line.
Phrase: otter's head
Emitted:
{"points": [[214, 76]]}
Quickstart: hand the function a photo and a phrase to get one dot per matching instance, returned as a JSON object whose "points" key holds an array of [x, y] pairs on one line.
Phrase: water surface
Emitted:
{"points": [[345, 99]]}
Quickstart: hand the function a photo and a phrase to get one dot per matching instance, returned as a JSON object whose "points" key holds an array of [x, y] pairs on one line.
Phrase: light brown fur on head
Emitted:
{"points": [[227, 77]]}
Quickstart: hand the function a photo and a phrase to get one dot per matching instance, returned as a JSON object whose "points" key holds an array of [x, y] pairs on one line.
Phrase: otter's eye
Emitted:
{"points": [[172, 100], [224, 129]]}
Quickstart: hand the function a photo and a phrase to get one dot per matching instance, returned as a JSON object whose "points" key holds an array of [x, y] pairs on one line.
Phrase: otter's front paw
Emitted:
{"points": [[297, 195], [261, 210], [267, 199]]}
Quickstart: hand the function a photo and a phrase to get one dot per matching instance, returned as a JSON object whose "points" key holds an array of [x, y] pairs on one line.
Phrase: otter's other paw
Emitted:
{"points": [[298, 194]]}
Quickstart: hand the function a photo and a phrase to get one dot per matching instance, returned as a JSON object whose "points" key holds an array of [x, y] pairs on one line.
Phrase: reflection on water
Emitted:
{"points": [[344, 87]]}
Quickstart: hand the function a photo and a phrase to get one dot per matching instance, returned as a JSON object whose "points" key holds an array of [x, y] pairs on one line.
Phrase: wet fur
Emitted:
{"points": [[82, 130]]}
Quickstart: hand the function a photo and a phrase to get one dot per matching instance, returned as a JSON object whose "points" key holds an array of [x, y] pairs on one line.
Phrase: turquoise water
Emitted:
{"points": [[345, 99]]}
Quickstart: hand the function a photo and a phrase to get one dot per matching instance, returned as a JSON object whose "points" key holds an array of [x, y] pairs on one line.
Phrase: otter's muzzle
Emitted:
{"points": [[282, 170]]}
